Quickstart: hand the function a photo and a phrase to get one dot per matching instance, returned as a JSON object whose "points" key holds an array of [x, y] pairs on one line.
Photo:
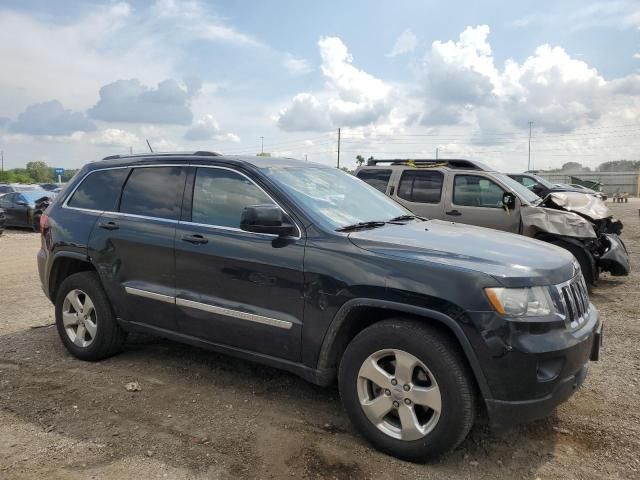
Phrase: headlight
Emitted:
{"points": [[520, 302]]}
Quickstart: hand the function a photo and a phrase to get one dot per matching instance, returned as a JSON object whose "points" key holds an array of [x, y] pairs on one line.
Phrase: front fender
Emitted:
{"points": [[324, 360]]}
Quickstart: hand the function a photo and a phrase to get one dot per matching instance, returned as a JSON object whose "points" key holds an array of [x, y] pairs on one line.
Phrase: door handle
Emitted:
{"points": [[108, 225], [454, 213], [195, 239]]}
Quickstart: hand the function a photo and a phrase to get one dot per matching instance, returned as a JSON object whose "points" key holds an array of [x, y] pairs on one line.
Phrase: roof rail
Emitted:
{"points": [[433, 162], [199, 153]]}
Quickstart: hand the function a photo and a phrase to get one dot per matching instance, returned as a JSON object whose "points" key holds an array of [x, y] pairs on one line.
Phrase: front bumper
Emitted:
{"points": [[530, 372], [616, 259]]}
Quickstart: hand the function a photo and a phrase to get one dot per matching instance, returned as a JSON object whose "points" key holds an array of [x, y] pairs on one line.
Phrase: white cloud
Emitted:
{"points": [[636, 56], [352, 97], [208, 128], [297, 66], [114, 137], [405, 43]]}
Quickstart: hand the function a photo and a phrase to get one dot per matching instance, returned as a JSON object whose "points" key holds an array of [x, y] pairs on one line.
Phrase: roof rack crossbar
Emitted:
{"points": [[449, 162]]}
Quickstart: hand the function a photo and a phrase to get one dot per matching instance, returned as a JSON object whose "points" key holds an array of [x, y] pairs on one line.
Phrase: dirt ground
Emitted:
{"points": [[202, 415]]}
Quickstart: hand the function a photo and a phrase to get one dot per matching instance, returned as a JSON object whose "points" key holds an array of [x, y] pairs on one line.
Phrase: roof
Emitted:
{"points": [[454, 163], [200, 157]]}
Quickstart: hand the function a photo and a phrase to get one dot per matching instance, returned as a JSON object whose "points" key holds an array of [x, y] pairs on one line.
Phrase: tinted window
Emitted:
{"points": [[474, 191], [154, 192], [420, 187], [100, 190], [220, 196], [378, 179], [5, 189], [7, 199]]}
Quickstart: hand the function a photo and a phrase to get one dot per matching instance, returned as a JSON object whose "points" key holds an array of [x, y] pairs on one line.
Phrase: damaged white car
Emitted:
{"points": [[469, 192]]}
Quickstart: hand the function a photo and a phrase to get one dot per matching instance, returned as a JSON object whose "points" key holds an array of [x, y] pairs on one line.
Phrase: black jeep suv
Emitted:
{"points": [[304, 267]]}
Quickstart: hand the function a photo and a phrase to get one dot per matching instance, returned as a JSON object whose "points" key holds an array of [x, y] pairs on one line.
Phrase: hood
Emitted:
{"points": [[514, 260], [580, 203]]}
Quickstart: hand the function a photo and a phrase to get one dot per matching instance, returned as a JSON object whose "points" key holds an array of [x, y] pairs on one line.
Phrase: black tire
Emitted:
{"points": [[442, 356], [109, 337], [35, 224], [587, 265]]}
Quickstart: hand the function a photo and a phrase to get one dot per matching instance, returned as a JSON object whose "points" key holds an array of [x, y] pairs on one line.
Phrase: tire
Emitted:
{"points": [[589, 269], [35, 223], [100, 336], [446, 370]]}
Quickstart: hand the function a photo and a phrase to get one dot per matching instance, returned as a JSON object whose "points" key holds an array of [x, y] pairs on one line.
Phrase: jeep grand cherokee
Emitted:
{"points": [[306, 268]]}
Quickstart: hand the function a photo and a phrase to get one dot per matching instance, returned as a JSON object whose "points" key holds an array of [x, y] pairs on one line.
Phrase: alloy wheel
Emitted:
{"points": [[399, 394], [79, 318]]}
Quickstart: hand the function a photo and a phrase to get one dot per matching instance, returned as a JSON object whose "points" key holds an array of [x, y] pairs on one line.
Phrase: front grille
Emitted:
{"points": [[574, 301]]}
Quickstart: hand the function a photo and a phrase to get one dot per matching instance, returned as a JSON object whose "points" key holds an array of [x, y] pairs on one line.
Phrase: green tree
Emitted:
{"points": [[359, 160], [39, 172], [263, 154]]}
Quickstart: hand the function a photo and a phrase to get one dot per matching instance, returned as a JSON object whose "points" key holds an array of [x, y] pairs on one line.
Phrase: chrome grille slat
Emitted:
{"points": [[574, 301]]}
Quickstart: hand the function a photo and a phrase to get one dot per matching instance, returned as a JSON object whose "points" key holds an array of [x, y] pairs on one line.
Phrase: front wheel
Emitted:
{"points": [[407, 389]]}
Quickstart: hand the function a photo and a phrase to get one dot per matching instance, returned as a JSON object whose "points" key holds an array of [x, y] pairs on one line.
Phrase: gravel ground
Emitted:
{"points": [[202, 415]]}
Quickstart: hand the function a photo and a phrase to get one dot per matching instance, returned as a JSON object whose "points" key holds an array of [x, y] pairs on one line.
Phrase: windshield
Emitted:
{"points": [[333, 197], [544, 182], [523, 192]]}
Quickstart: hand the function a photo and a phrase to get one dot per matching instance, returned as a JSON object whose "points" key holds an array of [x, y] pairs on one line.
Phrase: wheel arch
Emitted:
{"points": [[357, 314], [65, 264]]}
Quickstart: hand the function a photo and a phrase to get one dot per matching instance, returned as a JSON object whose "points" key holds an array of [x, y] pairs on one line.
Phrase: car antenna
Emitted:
{"points": [[150, 149]]}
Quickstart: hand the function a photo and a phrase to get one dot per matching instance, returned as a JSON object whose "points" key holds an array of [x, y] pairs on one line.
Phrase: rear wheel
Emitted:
{"points": [[407, 389], [35, 224], [84, 318]]}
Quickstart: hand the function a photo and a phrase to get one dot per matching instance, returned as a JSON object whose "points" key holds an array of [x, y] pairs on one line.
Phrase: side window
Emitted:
{"points": [[100, 190], [421, 186], [475, 191], [220, 196], [154, 192], [5, 201], [378, 179], [528, 182]]}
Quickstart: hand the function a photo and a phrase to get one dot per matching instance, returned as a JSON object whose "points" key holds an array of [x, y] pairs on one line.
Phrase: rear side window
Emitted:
{"points": [[475, 191], [154, 192], [420, 186], [378, 179], [100, 190], [220, 196]]}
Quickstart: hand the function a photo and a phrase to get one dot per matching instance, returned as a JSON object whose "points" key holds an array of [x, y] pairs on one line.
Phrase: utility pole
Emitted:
{"points": [[262, 145], [338, 147], [529, 161], [305, 158], [2, 157], [436, 153]]}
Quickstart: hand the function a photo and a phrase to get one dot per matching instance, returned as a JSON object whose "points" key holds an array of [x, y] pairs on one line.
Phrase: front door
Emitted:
{"points": [[233, 287], [477, 200]]}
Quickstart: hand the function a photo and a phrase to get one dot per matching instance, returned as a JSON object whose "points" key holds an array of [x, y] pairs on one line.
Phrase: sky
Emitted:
{"points": [[82, 80]]}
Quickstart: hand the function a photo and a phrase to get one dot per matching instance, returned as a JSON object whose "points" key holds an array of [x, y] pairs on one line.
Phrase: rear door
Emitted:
{"points": [[133, 246], [475, 199], [6, 203], [236, 288], [421, 192]]}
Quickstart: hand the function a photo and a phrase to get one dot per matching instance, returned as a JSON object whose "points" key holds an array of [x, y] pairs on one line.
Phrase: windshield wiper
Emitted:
{"points": [[359, 225], [406, 217]]}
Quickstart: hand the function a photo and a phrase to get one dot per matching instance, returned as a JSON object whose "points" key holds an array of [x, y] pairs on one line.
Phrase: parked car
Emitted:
{"points": [[23, 209], [9, 188], [51, 187], [588, 190], [469, 192], [3, 221], [306, 268], [542, 187]]}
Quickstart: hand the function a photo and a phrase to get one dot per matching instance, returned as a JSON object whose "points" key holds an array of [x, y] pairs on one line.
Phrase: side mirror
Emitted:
{"points": [[21, 202], [266, 219], [509, 200], [538, 190]]}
